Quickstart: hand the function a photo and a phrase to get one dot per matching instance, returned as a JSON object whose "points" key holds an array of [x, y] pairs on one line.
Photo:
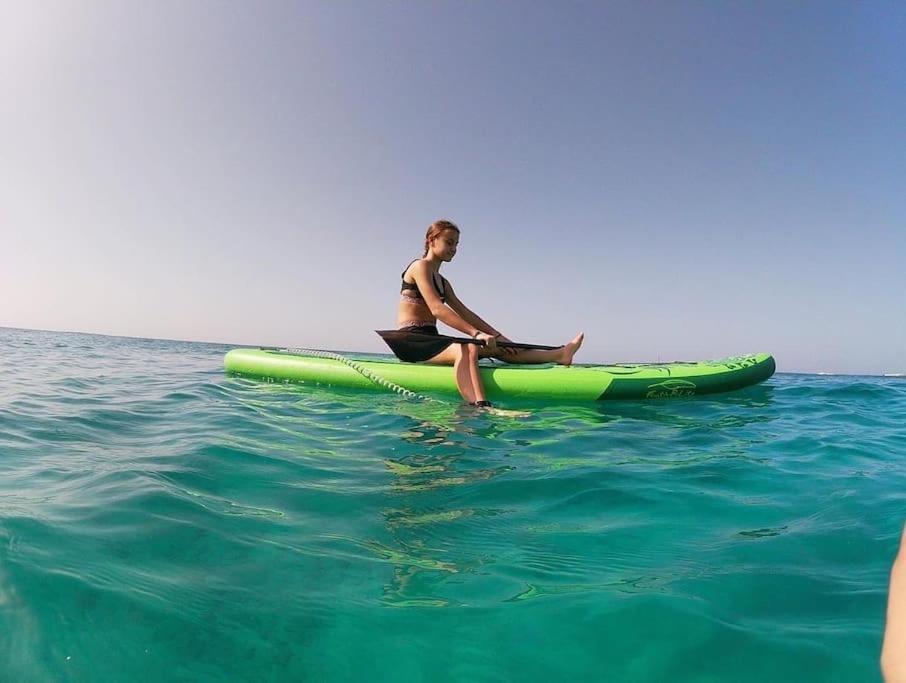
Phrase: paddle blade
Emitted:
{"points": [[414, 347]]}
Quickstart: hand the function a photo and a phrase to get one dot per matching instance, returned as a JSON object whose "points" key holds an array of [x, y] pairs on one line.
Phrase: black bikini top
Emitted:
{"points": [[411, 288]]}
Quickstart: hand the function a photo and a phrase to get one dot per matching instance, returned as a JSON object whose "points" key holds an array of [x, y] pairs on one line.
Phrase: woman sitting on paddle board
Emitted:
{"points": [[426, 297]]}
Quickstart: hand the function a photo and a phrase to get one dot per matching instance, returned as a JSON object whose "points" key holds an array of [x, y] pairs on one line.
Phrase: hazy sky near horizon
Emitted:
{"points": [[678, 179]]}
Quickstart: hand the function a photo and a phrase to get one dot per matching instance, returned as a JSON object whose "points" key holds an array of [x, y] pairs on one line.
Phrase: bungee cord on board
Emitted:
{"points": [[365, 372]]}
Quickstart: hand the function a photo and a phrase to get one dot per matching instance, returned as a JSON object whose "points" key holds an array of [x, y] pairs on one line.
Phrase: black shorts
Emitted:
{"points": [[420, 347]]}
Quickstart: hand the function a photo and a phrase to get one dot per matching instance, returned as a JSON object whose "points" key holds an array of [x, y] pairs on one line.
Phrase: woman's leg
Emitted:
{"points": [[563, 355], [471, 375], [464, 359]]}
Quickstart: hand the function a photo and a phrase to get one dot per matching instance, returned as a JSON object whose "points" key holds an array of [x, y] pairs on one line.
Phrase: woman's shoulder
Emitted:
{"points": [[417, 264]]}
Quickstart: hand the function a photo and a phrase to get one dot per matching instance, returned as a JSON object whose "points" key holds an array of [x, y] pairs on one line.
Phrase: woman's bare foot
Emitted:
{"points": [[486, 406], [503, 412], [569, 350]]}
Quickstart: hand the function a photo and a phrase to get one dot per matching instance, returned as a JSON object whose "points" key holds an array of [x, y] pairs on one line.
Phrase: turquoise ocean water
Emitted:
{"points": [[162, 521]]}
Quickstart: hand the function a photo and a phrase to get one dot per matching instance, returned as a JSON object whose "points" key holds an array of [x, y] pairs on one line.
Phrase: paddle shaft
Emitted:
{"points": [[508, 345], [460, 340], [387, 335]]}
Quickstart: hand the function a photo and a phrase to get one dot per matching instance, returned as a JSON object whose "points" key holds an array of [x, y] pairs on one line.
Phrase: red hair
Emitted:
{"points": [[436, 229]]}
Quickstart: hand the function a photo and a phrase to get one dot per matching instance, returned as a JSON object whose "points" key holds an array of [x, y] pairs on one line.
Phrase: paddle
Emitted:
{"points": [[398, 339]]}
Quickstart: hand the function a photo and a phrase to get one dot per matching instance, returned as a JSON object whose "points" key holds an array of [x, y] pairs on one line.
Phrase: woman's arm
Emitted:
{"points": [[466, 313]]}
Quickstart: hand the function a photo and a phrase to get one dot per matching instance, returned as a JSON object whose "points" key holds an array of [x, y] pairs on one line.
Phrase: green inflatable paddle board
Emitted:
{"points": [[554, 382]]}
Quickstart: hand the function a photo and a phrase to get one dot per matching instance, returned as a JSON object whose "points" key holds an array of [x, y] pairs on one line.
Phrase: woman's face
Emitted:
{"points": [[445, 245]]}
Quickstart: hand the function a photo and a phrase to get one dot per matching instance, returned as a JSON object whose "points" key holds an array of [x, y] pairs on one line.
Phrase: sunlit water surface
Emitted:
{"points": [[162, 521]]}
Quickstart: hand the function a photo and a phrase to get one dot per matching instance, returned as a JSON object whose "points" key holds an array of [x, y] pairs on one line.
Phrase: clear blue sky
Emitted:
{"points": [[678, 179]]}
